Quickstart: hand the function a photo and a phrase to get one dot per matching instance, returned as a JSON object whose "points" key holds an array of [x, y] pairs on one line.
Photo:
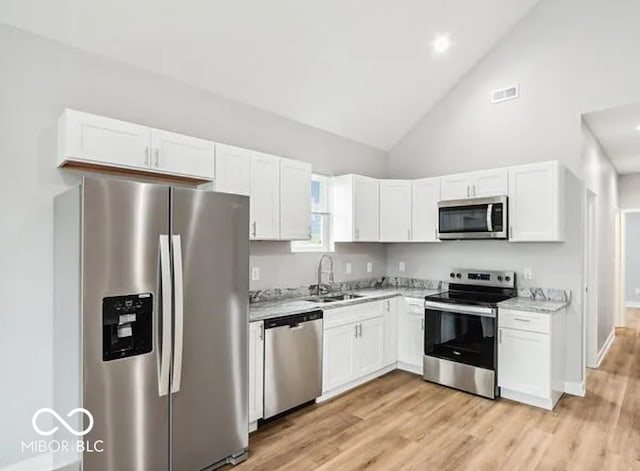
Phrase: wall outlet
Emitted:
{"points": [[347, 268], [401, 266], [369, 267], [528, 273], [255, 273]]}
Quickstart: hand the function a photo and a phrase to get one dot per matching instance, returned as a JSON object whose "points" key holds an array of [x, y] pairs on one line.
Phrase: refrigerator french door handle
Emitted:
{"points": [[166, 295], [178, 297]]}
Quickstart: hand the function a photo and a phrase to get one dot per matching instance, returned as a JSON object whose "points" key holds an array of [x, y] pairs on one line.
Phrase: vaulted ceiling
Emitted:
{"points": [[618, 131], [362, 69]]}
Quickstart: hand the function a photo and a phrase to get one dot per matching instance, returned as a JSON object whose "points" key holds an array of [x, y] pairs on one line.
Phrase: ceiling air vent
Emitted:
{"points": [[505, 94]]}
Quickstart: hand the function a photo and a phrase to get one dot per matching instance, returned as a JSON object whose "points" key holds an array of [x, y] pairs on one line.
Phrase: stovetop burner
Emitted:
{"points": [[479, 288]]}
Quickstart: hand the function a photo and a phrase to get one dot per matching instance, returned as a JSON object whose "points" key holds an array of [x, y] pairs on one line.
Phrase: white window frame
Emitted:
{"points": [[302, 246]]}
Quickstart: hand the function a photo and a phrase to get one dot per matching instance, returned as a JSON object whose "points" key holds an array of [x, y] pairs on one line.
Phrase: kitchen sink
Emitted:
{"points": [[332, 298]]}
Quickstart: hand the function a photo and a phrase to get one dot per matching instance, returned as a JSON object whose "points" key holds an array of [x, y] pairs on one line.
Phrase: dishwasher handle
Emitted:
{"points": [[294, 321]]}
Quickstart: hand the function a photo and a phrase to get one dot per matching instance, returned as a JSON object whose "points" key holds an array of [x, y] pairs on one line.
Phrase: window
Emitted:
{"points": [[320, 218]]}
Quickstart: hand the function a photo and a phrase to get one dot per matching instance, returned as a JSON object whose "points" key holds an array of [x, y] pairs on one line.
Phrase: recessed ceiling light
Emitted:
{"points": [[441, 43]]}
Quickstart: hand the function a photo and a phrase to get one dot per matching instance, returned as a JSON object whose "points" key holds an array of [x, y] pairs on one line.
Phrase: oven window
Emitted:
{"points": [[464, 219], [463, 338]]}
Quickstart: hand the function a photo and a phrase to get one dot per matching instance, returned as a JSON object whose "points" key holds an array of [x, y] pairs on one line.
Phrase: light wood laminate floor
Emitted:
{"points": [[400, 422]]}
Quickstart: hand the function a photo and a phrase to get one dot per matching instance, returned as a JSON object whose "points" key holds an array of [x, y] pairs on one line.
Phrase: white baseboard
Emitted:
{"points": [[575, 388], [417, 369], [547, 403], [43, 462], [631, 304], [365, 379], [605, 348]]}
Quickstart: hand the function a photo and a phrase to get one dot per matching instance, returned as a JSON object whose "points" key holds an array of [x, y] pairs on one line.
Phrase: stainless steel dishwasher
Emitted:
{"points": [[292, 361]]}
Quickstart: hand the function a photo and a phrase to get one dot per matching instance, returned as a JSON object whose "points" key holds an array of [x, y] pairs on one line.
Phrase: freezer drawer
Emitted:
{"points": [[293, 362]]}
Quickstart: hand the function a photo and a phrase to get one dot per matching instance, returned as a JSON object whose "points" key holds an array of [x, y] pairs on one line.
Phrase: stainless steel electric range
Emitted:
{"points": [[460, 348]]}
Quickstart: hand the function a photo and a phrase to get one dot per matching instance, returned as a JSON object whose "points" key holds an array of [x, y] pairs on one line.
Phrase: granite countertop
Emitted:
{"points": [[269, 309], [533, 305]]}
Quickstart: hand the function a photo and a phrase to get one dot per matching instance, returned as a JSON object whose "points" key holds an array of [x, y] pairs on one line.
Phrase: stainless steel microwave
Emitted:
{"points": [[476, 218]]}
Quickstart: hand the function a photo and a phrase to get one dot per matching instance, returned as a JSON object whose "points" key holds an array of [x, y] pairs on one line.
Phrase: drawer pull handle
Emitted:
{"points": [[521, 319]]}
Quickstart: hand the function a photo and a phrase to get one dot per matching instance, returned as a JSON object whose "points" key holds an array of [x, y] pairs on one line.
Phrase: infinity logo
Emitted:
{"points": [[62, 422]]}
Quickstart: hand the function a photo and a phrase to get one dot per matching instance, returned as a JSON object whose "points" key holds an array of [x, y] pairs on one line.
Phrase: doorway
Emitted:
{"points": [[629, 313], [590, 305]]}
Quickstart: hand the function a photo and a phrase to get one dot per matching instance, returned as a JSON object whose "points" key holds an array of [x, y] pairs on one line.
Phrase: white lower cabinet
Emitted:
{"points": [[353, 346], [411, 335], [256, 372], [391, 330], [531, 357]]}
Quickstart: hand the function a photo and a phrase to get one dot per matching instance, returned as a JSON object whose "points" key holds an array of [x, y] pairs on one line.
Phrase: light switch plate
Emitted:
{"points": [[347, 268], [528, 273], [369, 267], [255, 273], [401, 266]]}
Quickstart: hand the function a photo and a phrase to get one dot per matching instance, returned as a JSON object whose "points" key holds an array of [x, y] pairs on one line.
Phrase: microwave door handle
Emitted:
{"points": [[490, 217]]}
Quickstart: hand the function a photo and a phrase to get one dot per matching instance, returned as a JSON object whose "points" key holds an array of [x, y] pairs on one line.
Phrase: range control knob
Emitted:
{"points": [[500, 278], [452, 275], [508, 278], [458, 275]]}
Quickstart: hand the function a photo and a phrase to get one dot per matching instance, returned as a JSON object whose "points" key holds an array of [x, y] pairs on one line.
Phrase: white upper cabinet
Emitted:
{"points": [[355, 209], [89, 140], [425, 194], [265, 197], [475, 184], [92, 139], [177, 154], [493, 182], [233, 170], [536, 202], [395, 210], [455, 187], [295, 200]]}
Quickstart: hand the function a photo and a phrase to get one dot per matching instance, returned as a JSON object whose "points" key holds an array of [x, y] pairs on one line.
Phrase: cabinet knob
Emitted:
{"points": [[157, 163], [146, 156]]}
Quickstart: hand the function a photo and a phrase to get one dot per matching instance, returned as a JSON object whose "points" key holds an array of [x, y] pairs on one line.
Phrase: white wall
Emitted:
{"points": [[562, 56], [600, 177], [629, 191], [38, 79], [632, 258]]}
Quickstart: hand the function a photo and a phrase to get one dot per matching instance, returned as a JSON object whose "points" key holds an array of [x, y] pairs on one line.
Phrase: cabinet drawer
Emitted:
{"points": [[340, 316], [415, 306], [523, 320]]}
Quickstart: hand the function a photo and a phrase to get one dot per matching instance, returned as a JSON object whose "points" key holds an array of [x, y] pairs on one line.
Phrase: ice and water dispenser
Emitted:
{"points": [[127, 326]]}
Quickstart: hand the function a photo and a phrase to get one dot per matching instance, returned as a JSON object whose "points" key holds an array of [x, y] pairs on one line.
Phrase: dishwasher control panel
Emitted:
{"points": [[293, 319]]}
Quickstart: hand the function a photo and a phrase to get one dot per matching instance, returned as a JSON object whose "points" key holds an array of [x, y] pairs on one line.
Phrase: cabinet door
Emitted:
{"points": [[424, 209], [490, 183], [524, 362], [233, 170], [338, 356], [256, 370], [295, 200], [370, 346], [535, 203], [265, 197], [456, 187], [366, 209], [105, 141], [177, 154], [390, 331], [411, 338], [395, 210]]}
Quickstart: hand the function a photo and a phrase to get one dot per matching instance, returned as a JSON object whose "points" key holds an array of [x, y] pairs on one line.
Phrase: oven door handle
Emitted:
{"points": [[490, 217], [458, 309]]}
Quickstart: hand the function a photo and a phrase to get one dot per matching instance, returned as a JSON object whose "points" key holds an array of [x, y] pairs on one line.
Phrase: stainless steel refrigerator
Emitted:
{"points": [[151, 324]]}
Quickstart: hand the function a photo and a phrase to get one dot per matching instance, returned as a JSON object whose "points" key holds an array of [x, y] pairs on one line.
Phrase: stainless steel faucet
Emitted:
{"points": [[321, 271]]}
